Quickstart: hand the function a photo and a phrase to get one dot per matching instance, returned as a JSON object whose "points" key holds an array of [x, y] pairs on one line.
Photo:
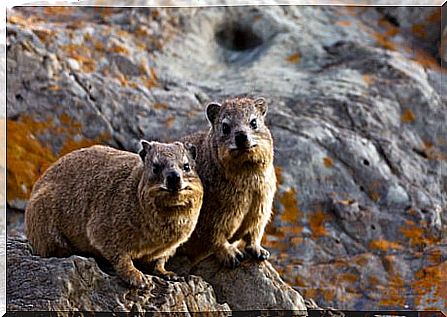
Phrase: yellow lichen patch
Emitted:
{"points": [[77, 52], [279, 177], [327, 161], [294, 58], [416, 235], [44, 35], [427, 60], [383, 41], [289, 201], [347, 277], [316, 222], [435, 17], [160, 106], [150, 80], [98, 45], [117, 48], [394, 292], [430, 280], [169, 122], [294, 230], [328, 294], [343, 23], [60, 11], [384, 245], [28, 157], [419, 30], [373, 193], [368, 79], [390, 29]]}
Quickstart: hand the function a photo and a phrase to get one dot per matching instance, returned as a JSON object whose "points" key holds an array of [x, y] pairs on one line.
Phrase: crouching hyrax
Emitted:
{"points": [[235, 163], [118, 206]]}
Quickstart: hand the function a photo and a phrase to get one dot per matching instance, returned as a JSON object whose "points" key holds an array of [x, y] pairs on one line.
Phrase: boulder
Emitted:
{"points": [[77, 283]]}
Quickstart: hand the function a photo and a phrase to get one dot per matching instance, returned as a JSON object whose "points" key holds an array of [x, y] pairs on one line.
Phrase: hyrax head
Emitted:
{"points": [[239, 133], [169, 178]]}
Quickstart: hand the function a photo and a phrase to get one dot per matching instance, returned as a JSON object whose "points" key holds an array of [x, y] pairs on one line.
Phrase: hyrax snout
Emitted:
{"points": [[118, 206], [235, 163]]}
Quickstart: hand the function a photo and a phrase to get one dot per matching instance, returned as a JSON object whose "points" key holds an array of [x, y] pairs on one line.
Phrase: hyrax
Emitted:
{"points": [[235, 163], [117, 205]]}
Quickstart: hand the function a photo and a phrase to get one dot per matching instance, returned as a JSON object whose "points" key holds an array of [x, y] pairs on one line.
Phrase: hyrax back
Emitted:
{"points": [[117, 205], [235, 163]]}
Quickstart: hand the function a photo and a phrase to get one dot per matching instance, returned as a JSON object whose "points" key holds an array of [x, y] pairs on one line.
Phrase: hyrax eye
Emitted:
{"points": [[254, 124], [186, 167], [226, 128], [156, 168]]}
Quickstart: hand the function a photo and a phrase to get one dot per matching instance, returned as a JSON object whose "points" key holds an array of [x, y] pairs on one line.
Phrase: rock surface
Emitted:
{"points": [[357, 111], [77, 283]]}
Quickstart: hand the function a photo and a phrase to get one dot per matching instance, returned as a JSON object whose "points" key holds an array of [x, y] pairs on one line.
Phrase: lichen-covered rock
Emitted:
{"points": [[76, 283], [357, 112], [252, 286]]}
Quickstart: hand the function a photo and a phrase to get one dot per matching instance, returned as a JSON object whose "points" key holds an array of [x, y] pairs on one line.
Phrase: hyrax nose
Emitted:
{"points": [[241, 140], [173, 181]]}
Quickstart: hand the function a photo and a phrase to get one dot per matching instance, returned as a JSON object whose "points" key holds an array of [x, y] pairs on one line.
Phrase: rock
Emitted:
{"points": [[252, 286], [357, 112], [77, 283]]}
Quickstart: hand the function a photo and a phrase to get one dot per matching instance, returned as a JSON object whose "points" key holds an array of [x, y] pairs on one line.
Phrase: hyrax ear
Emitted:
{"points": [[146, 147], [261, 105], [192, 150], [212, 110]]}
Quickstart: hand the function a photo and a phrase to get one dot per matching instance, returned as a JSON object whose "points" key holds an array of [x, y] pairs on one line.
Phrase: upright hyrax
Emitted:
{"points": [[117, 205], [235, 163]]}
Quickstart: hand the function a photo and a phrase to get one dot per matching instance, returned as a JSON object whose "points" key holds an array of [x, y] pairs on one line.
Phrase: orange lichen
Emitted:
{"points": [[316, 223], [431, 279], [78, 52], [347, 277], [169, 122], [160, 106], [383, 41], [289, 201], [117, 48], [294, 58], [417, 236], [407, 116], [279, 177], [419, 30], [390, 29], [60, 11], [28, 157], [327, 161], [384, 245], [150, 80], [368, 79], [343, 23]]}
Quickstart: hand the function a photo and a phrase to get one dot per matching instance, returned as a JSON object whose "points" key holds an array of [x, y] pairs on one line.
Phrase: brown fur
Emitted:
{"points": [[239, 185], [111, 204]]}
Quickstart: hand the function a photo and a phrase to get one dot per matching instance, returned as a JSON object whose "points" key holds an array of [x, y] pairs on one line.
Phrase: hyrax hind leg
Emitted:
{"points": [[45, 237], [226, 253]]}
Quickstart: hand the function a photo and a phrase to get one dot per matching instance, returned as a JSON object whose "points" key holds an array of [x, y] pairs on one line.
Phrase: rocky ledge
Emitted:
{"points": [[77, 283]]}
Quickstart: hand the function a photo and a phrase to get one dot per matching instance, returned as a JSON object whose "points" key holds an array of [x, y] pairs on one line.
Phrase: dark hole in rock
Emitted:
{"points": [[362, 188], [337, 241], [373, 227], [19, 97], [366, 162], [424, 211], [238, 38]]}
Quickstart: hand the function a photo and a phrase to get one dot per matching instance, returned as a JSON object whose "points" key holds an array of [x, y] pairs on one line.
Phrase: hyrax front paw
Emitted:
{"points": [[167, 275], [257, 252], [230, 257], [136, 279]]}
